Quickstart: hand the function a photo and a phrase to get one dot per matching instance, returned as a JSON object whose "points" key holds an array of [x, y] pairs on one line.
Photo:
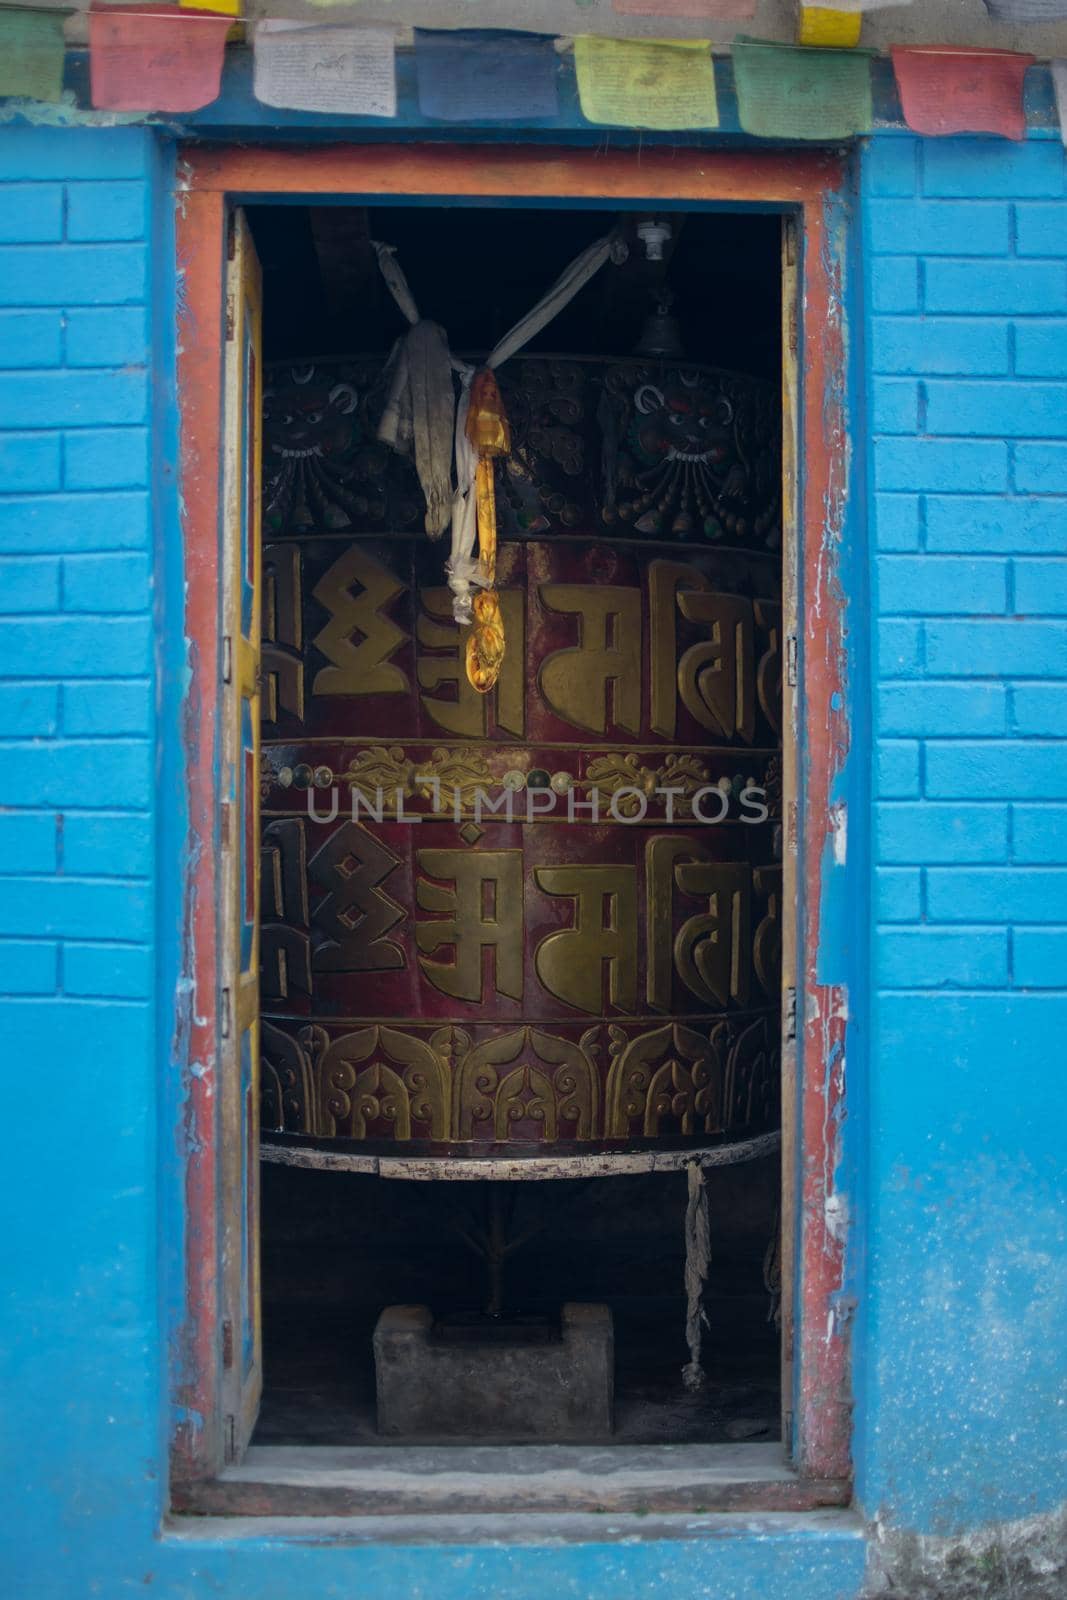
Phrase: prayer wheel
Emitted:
{"points": [[542, 920]]}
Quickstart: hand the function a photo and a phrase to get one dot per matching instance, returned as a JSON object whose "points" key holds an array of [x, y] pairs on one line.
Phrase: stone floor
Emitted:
{"points": [[320, 1376]]}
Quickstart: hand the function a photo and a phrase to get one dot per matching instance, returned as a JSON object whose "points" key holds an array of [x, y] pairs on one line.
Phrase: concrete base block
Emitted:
{"points": [[430, 1386]]}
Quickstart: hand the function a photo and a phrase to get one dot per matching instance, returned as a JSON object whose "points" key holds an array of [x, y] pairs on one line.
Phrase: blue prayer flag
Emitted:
{"points": [[484, 75]]}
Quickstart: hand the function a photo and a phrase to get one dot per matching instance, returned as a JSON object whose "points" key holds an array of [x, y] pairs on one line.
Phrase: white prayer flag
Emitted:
{"points": [[350, 71]]}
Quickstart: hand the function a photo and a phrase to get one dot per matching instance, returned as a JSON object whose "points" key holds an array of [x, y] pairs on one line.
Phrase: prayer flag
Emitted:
{"points": [[350, 71], [232, 8], [697, 10], [31, 53], [834, 30], [1027, 10], [634, 83], [474, 75], [792, 92], [155, 58], [1059, 84], [865, 5], [948, 89]]}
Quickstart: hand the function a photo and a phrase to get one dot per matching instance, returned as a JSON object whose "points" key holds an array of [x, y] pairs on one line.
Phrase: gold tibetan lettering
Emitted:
{"points": [[467, 714], [359, 638], [283, 634], [713, 952], [767, 941], [665, 579], [769, 670], [571, 963], [574, 681], [351, 922], [715, 677], [661, 857], [482, 910]]}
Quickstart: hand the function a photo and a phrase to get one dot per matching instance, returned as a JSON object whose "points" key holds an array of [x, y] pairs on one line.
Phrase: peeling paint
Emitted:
{"points": [[1025, 1559], [65, 113]]}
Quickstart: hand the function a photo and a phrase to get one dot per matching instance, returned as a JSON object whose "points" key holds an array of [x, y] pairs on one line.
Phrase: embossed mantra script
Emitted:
{"points": [[546, 919]]}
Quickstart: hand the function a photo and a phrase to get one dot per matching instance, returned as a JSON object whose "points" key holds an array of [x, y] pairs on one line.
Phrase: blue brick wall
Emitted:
{"points": [[78, 925], [965, 286], [75, 574]]}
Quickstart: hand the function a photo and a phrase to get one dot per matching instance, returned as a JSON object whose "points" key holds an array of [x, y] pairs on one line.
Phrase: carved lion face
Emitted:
{"points": [[684, 422], [309, 420]]}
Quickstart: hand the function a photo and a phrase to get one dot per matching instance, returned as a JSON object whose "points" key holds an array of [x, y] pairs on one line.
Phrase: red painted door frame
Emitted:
{"points": [[809, 185]]}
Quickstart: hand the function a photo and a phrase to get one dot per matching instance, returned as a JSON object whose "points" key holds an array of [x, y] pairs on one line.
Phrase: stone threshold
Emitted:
{"points": [[406, 1481]]}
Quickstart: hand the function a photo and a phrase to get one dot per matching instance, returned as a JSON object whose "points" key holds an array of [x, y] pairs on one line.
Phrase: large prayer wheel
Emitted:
{"points": [[543, 920]]}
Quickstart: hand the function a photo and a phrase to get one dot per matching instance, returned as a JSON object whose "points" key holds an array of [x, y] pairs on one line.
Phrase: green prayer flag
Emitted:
{"points": [[31, 53], [785, 92]]}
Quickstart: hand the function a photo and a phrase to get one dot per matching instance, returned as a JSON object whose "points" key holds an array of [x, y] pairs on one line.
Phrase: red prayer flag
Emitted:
{"points": [[155, 58], [948, 90]]}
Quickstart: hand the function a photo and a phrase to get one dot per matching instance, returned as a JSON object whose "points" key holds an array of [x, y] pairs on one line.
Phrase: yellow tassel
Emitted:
{"points": [[487, 429], [485, 642]]}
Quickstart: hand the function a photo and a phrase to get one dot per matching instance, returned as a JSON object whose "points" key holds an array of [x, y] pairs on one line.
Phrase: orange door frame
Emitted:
{"points": [[810, 187]]}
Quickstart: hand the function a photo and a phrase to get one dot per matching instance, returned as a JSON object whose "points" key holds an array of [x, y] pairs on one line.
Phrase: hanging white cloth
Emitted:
{"points": [[423, 418], [418, 416]]}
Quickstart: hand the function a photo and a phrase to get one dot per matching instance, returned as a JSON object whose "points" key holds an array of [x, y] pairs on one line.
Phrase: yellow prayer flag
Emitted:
{"points": [[829, 29], [646, 83], [227, 8]]}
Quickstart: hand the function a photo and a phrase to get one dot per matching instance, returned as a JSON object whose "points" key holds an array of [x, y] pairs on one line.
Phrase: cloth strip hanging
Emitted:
{"points": [[697, 1262], [421, 412]]}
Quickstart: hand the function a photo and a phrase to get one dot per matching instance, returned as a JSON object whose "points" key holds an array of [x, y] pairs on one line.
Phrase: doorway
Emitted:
{"points": [[808, 189], [456, 985]]}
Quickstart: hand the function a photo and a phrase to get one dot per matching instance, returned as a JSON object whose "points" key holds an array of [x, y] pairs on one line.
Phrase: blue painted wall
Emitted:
{"points": [[962, 1355], [960, 331]]}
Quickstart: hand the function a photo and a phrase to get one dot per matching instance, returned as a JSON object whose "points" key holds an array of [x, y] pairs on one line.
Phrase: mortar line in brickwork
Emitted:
{"points": [[1011, 956], [922, 522], [920, 268], [1011, 369], [70, 809], [1012, 610], [922, 769], [921, 406]]}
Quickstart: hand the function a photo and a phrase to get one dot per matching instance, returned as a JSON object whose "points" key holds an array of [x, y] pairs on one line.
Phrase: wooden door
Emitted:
{"points": [[239, 1080]]}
